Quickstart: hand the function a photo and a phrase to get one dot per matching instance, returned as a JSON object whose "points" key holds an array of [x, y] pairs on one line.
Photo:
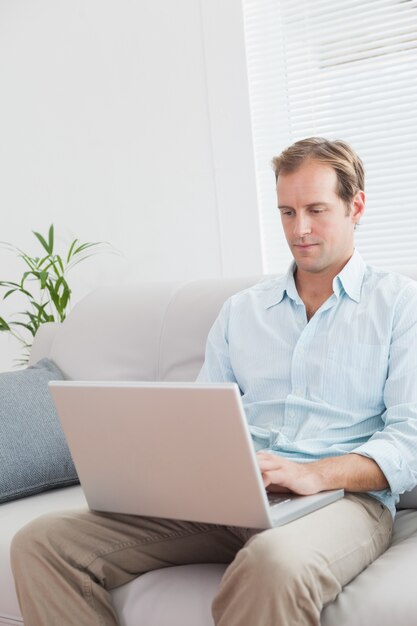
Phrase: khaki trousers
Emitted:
{"points": [[64, 565]]}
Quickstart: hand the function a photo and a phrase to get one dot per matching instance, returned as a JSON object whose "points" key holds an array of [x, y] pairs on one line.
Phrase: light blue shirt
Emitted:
{"points": [[346, 381]]}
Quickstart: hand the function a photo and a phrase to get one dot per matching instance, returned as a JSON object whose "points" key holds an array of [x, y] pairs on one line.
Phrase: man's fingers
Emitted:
{"points": [[266, 480], [265, 455], [266, 464]]}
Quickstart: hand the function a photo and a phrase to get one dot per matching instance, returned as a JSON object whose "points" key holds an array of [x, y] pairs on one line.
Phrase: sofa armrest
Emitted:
{"points": [[408, 500]]}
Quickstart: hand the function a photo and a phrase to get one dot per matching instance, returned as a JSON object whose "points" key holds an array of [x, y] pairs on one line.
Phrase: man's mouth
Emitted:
{"points": [[304, 246]]}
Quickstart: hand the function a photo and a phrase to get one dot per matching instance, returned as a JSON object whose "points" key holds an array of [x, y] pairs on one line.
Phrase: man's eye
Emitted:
{"points": [[317, 210]]}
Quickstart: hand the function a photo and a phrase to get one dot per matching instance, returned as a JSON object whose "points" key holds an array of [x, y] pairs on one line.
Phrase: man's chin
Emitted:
{"points": [[311, 266]]}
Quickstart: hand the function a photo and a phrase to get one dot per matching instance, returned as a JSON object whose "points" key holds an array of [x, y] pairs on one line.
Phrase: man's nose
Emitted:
{"points": [[302, 225]]}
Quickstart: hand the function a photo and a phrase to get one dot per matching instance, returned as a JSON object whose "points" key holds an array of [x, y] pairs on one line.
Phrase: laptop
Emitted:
{"points": [[171, 450]]}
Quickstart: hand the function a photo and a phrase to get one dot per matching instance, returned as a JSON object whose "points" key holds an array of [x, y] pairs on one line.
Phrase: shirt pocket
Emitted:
{"points": [[354, 377]]}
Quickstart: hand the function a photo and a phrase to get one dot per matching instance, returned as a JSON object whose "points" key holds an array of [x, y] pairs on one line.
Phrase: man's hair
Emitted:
{"points": [[337, 154]]}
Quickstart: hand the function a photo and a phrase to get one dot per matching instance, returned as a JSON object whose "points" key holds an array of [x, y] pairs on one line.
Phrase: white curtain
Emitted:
{"points": [[344, 69]]}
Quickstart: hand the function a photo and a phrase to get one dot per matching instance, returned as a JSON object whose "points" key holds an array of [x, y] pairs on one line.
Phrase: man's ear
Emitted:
{"points": [[358, 207]]}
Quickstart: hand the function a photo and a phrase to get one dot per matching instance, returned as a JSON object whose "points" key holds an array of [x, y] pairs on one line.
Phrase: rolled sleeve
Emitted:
{"points": [[392, 459]]}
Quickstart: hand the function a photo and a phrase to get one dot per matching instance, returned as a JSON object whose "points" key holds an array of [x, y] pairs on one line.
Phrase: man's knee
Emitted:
{"points": [[34, 539], [272, 556], [271, 576]]}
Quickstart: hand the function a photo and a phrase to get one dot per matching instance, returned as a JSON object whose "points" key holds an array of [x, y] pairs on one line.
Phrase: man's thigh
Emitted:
{"points": [[340, 539], [124, 546]]}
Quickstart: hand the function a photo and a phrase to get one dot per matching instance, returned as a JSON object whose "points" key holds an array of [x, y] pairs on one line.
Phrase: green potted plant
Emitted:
{"points": [[44, 286]]}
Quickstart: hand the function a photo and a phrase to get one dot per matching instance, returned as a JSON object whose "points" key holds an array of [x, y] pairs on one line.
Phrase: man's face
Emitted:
{"points": [[317, 229]]}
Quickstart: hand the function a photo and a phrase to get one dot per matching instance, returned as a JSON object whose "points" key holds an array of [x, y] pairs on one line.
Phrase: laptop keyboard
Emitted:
{"points": [[278, 498]]}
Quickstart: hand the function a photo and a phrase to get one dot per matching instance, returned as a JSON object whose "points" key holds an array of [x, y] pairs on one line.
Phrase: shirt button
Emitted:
{"points": [[291, 414]]}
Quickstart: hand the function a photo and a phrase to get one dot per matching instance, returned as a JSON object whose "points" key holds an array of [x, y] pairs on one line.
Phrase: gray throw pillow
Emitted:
{"points": [[34, 455]]}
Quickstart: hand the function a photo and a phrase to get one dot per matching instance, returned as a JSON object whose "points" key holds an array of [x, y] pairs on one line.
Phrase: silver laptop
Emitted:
{"points": [[173, 450]]}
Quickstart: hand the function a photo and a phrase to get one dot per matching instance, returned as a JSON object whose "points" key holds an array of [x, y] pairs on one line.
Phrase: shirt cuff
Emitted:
{"points": [[396, 470]]}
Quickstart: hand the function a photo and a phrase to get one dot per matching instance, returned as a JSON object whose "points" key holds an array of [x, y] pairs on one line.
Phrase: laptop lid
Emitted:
{"points": [[174, 450]]}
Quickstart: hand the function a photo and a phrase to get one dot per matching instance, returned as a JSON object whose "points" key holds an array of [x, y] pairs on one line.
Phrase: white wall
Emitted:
{"points": [[127, 121]]}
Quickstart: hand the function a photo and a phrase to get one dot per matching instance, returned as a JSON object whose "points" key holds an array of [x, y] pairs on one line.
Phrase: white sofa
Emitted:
{"points": [[158, 332]]}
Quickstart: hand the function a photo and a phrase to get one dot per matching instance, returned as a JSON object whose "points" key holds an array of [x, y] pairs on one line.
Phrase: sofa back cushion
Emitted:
{"points": [[148, 331]]}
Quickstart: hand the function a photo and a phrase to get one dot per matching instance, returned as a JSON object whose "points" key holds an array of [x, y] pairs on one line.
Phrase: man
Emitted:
{"points": [[325, 359]]}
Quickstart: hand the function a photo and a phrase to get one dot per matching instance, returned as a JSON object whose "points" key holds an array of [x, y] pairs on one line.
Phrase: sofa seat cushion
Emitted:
{"points": [[175, 596]]}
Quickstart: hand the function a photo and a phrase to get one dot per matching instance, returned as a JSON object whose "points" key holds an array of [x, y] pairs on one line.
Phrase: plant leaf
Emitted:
{"points": [[42, 241], [60, 294], [72, 246], [9, 246], [43, 277], [51, 238], [33, 273], [8, 283], [4, 325], [50, 264], [29, 261], [53, 294], [64, 301], [53, 265], [22, 362], [43, 316], [32, 325], [60, 263], [82, 258], [9, 293], [32, 328], [84, 246], [16, 287], [39, 307], [25, 275], [42, 261], [25, 292]]}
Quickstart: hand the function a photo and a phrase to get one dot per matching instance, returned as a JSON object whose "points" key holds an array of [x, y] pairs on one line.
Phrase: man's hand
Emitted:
{"points": [[352, 472], [279, 474]]}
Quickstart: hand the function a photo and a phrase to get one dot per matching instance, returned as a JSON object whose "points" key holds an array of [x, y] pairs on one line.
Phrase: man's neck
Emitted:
{"points": [[314, 288], [313, 299]]}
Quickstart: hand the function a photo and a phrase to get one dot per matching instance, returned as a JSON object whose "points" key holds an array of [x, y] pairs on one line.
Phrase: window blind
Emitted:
{"points": [[342, 70]]}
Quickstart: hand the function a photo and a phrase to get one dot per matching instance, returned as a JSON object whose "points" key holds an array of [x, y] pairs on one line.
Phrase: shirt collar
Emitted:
{"points": [[349, 280], [285, 285]]}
